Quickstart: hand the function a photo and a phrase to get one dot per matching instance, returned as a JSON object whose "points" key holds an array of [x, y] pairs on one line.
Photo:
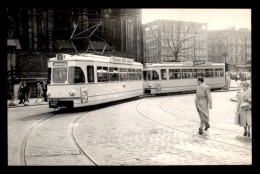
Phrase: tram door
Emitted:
{"points": [[154, 77]]}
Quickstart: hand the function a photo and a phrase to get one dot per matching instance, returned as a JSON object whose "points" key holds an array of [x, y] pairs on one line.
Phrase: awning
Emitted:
{"points": [[14, 43]]}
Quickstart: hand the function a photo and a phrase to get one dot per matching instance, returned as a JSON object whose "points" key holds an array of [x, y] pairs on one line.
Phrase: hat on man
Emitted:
{"points": [[244, 83]]}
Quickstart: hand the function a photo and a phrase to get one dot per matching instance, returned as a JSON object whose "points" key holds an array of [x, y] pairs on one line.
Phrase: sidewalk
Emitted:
{"points": [[32, 102]]}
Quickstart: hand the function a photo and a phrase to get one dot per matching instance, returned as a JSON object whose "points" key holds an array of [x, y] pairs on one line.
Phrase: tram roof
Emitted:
{"points": [[92, 58], [181, 64]]}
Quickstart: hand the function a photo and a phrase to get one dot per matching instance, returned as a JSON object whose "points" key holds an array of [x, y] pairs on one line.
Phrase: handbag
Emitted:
{"points": [[245, 105], [237, 118]]}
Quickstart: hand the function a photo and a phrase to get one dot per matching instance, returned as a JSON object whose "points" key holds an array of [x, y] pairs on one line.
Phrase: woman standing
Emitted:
{"points": [[39, 91], [244, 102]]}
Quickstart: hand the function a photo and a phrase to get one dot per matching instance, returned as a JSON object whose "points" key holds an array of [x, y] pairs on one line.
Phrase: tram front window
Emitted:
{"points": [[59, 75]]}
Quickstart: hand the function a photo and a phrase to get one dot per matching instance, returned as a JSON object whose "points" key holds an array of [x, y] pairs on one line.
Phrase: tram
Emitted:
{"points": [[181, 76], [88, 79]]}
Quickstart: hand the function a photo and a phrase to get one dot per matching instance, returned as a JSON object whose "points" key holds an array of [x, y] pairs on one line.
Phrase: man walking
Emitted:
{"points": [[44, 88], [203, 103]]}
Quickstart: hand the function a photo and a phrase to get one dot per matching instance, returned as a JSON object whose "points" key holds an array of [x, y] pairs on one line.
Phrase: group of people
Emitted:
{"points": [[203, 102], [23, 92]]}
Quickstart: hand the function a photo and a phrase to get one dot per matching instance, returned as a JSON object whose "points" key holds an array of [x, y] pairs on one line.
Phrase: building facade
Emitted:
{"points": [[231, 46], [43, 32], [169, 40]]}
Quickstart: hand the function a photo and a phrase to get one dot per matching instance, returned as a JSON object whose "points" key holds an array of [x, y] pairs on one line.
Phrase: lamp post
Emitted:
{"points": [[194, 46], [225, 54]]}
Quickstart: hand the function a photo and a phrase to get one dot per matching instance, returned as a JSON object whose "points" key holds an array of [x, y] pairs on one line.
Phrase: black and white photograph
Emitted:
{"points": [[129, 86]]}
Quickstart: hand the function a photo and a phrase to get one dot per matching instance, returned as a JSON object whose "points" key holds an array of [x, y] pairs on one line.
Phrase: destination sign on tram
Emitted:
{"points": [[60, 63], [198, 62], [121, 60]]}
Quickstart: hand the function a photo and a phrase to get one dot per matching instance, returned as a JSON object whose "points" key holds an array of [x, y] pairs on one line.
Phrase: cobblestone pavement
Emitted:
{"points": [[142, 133], [51, 143], [159, 130]]}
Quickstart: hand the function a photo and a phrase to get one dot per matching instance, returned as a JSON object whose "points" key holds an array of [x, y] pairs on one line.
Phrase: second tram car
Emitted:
{"points": [[181, 76], [88, 79]]}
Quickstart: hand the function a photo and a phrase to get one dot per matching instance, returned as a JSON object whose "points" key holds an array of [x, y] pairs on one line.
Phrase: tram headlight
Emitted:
{"points": [[48, 93], [150, 85], [72, 93]]}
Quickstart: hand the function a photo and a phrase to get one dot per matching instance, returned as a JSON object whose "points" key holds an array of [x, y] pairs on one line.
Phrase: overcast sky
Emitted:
{"points": [[217, 19]]}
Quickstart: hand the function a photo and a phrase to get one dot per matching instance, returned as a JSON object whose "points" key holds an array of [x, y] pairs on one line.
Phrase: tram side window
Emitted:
{"points": [[187, 73], [175, 73], [76, 75], [121, 74], [219, 72], [138, 74], [125, 74], [155, 75], [145, 75], [163, 74], [99, 74], [49, 76], [59, 75], [198, 72], [131, 74], [208, 73], [102, 74], [90, 71], [113, 74]]}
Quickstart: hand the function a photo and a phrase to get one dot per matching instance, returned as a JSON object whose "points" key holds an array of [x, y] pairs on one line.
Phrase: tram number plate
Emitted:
{"points": [[84, 95]]}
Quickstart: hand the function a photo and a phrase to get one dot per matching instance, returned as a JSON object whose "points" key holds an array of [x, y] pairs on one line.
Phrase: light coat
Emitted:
{"points": [[203, 101], [245, 114]]}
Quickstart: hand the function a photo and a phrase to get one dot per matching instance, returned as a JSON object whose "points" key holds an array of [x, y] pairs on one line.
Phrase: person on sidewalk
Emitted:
{"points": [[244, 102], [21, 93], [26, 92], [44, 88], [203, 102], [39, 91]]}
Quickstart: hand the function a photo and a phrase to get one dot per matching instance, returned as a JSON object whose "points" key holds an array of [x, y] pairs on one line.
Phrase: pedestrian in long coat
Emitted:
{"points": [[39, 91], [44, 88], [26, 92], [245, 113], [203, 102], [21, 93]]}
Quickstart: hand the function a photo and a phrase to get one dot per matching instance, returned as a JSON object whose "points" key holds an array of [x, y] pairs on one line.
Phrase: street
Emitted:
{"points": [[154, 130]]}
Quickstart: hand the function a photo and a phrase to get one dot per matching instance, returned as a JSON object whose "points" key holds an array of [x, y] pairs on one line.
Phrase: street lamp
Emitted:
{"points": [[194, 46], [225, 55]]}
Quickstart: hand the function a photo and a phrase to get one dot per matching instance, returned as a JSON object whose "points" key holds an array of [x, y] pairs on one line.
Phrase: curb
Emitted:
{"points": [[227, 90], [27, 105]]}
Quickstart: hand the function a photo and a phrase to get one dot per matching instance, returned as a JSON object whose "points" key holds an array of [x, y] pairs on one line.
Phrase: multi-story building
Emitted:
{"points": [[169, 40], [36, 34], [230, 46]]}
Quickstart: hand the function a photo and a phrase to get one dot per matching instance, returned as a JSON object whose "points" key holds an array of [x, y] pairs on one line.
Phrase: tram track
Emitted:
{"points": [[25, 140], [77, 144], [23, 158], [179, 130]]}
